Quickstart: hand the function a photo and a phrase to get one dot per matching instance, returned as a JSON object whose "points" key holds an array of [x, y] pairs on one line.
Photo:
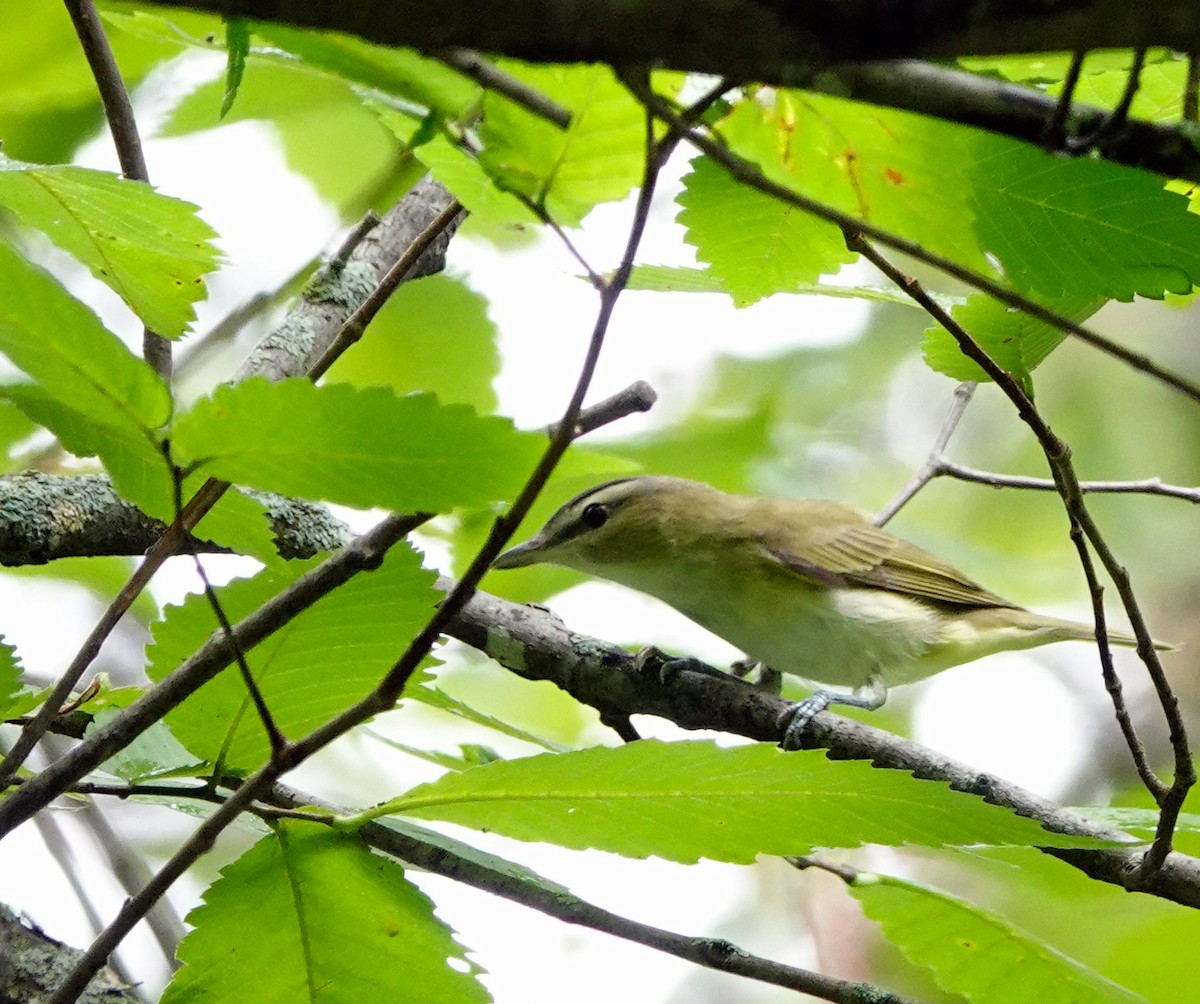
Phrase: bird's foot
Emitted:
{"points": [[795, 718]]}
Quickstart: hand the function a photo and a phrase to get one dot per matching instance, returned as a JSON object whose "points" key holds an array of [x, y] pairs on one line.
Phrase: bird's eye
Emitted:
{"points": [[594, 515]]}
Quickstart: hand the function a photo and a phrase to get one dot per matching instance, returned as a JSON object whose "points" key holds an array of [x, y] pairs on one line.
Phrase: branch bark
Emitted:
{"points": [[535, 644], [761, 40]]}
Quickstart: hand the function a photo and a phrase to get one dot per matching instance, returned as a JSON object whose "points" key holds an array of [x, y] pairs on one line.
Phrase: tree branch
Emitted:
{"points": [[1009, 109], [535, 644], [778, 42]]}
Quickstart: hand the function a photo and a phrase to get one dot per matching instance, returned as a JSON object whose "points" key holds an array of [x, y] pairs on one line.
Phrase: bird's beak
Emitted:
{"points": [[521, 555]]}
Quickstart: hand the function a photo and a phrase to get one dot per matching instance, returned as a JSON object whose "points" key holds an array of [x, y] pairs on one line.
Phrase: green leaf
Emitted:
{"points": [[62, 345], [1018, 342], [435, 697], [470, 183], [238, 522], [977, 954], [44, 81], [754, 244], [689, 800], [16, 699], [1051, 67], [432, 335], [10, 679], [318, 665], [1142, 822], [90, 389], [358, 447], [598, 158], [1084, 228], [345, 926], [403, 73], [151, 249], [153, 753], [1160, 91], [684, 279], [14, 427], [237, 45], [903, 172], [137, 467]]}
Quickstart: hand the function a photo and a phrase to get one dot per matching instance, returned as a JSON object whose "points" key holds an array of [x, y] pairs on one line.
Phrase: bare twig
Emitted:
{"points": [[354, 326], [121, 123], [1118, 116], [1052, 134], [639, 396], [1146, 486], [932, 466], [275, 737], [485, 73]]}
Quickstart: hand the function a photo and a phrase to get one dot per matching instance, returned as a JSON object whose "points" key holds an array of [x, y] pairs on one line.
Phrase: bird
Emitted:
{"points": [[807, 587]]}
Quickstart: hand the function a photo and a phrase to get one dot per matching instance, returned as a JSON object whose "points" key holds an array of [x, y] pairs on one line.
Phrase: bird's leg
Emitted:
{"points": [[796, 717]]}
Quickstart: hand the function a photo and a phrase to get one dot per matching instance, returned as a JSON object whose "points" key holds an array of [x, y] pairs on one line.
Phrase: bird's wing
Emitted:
{"points": [[852, 552]]}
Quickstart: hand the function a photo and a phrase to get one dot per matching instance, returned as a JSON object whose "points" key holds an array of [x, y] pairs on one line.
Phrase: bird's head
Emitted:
{"points": [[630, 521]]}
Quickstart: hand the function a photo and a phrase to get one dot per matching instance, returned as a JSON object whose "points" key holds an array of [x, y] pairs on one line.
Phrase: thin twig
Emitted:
{"points": [[489, 76], [275, 737], [353, 327], [1147, 486], [845, 872], [638, 396], [118, 109], [932, 466], [1055, 129], [751, 175], [1118, 116]]}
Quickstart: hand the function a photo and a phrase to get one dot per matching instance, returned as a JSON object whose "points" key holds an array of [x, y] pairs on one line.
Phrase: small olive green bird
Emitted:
{"points": [[807, 587]]}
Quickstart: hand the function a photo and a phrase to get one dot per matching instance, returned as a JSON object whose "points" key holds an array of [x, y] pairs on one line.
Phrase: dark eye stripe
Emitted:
{"points": [[594, 491]]}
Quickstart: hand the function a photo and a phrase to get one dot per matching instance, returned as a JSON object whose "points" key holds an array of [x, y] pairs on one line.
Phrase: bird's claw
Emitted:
{"points": [[795, 718]]}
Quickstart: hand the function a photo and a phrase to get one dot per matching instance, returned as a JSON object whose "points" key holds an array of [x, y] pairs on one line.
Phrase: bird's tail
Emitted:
{"points": [[1076, 631]]}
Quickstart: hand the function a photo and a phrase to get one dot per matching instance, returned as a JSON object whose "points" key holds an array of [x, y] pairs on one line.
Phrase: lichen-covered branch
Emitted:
{"points": [[44, 517]]}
